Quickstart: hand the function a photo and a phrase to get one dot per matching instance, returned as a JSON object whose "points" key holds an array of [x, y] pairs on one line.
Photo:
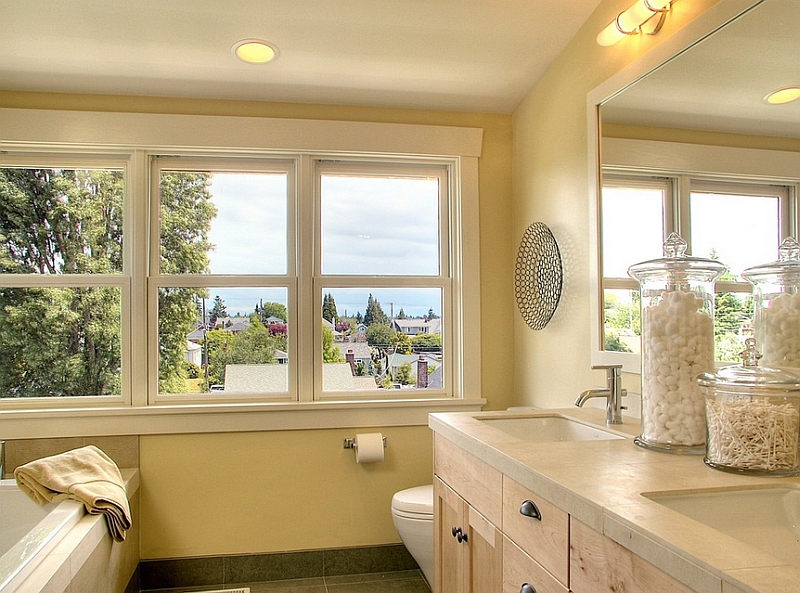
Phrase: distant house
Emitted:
{"points": [[197, 335], [274, 378], [360, 351], [194, 353], [232, 324], [420, 364], [415, 327], [272, 320]]}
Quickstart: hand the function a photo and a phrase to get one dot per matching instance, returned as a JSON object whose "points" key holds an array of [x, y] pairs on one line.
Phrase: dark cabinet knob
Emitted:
{"points": [[459, 535], [527, 588], [529, 509], [455, 531]]}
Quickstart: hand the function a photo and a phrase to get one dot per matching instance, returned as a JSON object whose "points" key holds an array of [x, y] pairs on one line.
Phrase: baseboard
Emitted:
{"points": [[253, 568]]}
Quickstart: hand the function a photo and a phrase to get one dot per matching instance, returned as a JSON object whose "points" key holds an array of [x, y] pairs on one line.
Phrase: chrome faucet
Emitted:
{"points": [[613, 392]]}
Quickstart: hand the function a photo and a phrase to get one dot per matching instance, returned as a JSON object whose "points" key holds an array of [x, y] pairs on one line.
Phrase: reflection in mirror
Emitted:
{"points": [[686, 149]]}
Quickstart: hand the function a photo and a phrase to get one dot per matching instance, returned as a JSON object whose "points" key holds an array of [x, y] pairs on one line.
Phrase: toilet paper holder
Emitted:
{"points": [[351, 443]]}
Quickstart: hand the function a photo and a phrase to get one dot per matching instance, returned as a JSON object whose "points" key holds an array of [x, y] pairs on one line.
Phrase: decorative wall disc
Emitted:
{"points": [[538, 276]]}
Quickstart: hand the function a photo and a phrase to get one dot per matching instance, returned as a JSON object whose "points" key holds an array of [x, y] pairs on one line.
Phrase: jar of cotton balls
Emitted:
{"points": [[753, 416], [776, 295], [677, 300]]}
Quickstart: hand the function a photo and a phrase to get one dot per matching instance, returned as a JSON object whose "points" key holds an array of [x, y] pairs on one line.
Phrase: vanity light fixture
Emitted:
{"points": [[646, 16], [783, 96], [254, 51]]}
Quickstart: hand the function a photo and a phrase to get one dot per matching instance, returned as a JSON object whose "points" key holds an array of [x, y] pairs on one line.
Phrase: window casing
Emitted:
{"points": [[302, 282]]}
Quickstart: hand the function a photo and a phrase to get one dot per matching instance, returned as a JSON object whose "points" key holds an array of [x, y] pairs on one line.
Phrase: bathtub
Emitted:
{"points": [[29, 531]]}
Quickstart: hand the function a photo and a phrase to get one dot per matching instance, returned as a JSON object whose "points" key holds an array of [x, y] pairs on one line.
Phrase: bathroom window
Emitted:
{"points": [[210, 274], [64, 278], [740, 224], [383, 279]]}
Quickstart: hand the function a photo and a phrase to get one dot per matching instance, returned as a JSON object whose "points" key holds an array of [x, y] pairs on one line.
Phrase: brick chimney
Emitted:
{"points": [[422, 373], [350, 357]]}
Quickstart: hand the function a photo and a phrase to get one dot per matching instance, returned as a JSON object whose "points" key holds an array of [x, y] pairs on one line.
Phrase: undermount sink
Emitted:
{"points": [[548, 429], [765, 518]]}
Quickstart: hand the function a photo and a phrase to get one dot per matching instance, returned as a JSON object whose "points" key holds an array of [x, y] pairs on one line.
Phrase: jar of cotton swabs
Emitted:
{"points": [[753, 415], [677, 305], [776, 294]]}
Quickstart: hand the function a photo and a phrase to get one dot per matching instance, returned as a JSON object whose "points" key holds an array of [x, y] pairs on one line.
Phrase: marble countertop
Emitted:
{"points": [[602, 482]]}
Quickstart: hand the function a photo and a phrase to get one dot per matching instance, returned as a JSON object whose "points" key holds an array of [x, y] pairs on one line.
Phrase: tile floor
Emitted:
{"points": [[407, 581]]}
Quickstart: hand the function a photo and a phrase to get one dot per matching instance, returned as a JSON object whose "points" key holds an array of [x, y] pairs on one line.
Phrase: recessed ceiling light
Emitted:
{"points": [[254, 51], [781, 96]]}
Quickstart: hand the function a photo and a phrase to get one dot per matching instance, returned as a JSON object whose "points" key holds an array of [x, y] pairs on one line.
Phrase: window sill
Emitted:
{"points": [[225, 417]]}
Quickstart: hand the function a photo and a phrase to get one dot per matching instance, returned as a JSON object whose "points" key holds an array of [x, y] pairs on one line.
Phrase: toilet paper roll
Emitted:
{"points": [[369, 447]]}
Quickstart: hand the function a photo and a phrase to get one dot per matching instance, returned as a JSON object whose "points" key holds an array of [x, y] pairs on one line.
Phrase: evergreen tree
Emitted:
{"points": [[329, 308], [431, 315], [374, 313], [402, 314], [218, 310]]}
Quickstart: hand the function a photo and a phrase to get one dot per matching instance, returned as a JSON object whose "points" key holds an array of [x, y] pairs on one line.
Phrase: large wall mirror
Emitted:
{"points": [[687, 142]]}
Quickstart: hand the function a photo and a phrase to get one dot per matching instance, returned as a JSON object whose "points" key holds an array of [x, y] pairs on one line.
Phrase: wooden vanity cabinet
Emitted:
{"points": [[468, 550], [598, 564]]}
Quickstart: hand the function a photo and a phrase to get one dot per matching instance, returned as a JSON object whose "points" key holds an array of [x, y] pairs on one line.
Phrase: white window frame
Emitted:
{"points": [[690, 167], [139, 136]]}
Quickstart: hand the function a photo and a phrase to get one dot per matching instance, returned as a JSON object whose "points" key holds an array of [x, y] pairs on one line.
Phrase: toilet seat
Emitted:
{"points": [[414, 503]]}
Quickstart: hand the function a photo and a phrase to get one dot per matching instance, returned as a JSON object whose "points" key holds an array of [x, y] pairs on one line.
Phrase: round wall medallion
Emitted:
{"points": [[538, 275]]}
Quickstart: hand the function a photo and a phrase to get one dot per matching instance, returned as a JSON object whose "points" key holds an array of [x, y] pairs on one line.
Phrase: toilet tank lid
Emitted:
{"points": [[415, 500]]}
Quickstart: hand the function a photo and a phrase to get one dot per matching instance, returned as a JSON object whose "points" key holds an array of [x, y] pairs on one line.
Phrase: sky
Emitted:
{"points": [[371, 226]]}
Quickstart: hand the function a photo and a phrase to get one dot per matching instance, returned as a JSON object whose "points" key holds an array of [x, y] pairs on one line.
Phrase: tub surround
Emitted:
{"points": [[86, 558], [600, 483]]}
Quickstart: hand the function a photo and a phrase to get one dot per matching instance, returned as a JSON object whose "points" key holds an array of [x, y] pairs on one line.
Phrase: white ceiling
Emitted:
{"points": [[719, 84], [471, 55]]}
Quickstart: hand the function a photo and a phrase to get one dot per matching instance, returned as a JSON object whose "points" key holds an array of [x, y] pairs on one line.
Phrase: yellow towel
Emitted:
{"points": [[86, 474]]}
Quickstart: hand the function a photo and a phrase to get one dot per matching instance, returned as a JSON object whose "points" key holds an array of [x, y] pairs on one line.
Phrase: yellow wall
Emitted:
{"points": [[231, 493], [551, 181]]}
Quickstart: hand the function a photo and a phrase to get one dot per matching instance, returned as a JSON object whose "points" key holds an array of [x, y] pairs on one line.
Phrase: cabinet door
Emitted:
{"points": [[485, 551], [450, 558], [598, 564], [522, 574]]}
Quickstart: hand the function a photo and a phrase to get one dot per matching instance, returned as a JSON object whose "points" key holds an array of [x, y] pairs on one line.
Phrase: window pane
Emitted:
{"points": [[223, 340], [60, 342], [733, 324], [738, 230], [61, 221], [622, 320], [223, 223], [387, 338], [633, 228], [380, 225]]}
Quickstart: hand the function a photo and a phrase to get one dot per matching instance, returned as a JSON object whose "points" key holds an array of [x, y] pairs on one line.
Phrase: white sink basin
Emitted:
{"points": [[765, 518], [548, 429]]}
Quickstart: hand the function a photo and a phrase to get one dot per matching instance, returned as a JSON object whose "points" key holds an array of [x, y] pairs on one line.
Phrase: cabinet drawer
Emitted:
{"points": [[475, 481], [544, 538], [519, 568]]}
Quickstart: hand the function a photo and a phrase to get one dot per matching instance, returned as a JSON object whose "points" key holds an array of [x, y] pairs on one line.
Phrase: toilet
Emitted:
{"points": [[412, 513]]}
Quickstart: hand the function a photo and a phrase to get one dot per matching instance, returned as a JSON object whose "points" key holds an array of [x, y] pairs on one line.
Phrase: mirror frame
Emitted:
{"points": [[682, 40]]}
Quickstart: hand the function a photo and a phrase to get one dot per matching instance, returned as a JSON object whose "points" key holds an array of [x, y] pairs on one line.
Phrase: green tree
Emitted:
{"points": [[186, 215], [330, 352], [375, 313], [402, 314], [404, 376], [218, 309], [431, 315], [426, 342], [60, 341], [329, 308], [401, 343], [271, 309], [380, 335]]}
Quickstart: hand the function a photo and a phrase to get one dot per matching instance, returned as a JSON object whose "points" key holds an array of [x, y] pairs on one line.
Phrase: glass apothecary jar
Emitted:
{"points": [[677, 305], [776, 294], [753, 416]]}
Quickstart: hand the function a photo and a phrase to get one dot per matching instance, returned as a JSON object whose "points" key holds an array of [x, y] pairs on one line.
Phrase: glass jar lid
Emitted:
{"points": [[787, 265], [749, 378], [677, 266]]}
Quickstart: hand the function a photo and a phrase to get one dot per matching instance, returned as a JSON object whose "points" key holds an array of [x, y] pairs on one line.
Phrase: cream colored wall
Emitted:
{"points": [[552, 366], [289, 490], [244, 493]]}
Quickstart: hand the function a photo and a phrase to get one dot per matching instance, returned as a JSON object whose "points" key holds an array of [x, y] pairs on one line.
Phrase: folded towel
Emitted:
{"points": [[86, 474]]}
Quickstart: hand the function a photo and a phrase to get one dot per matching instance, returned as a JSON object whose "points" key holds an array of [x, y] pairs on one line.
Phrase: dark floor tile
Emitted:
{"points": [[409, 582], [316, 585], [392, 558]]}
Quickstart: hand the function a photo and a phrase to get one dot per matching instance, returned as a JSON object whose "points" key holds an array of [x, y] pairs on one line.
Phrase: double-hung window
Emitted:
{"points": [[738, 222], [160, 264]]}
